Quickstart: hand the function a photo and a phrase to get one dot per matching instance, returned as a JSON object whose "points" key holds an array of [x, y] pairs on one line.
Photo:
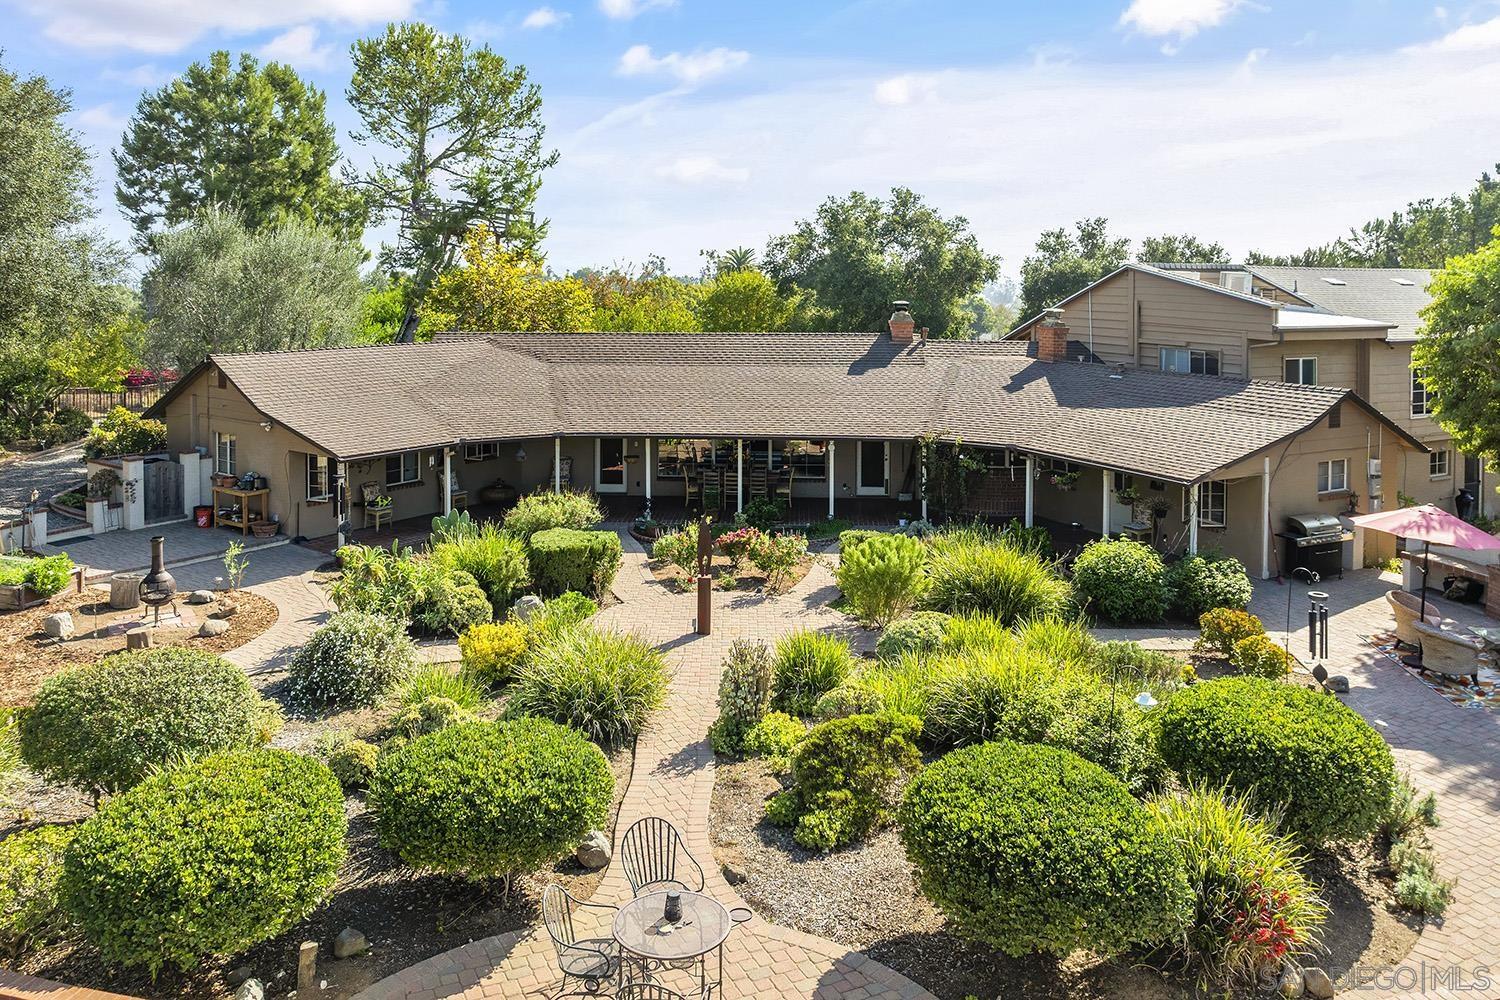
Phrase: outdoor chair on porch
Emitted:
{"points": [[377, 505], [711, 482], [689, 484], [783, 487], [1447, 652], [654, 857], [758, 482], [593, 962]]}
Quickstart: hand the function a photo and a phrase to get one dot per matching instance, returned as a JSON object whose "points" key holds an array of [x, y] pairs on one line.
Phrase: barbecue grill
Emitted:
{"points": [[1315, 541]]}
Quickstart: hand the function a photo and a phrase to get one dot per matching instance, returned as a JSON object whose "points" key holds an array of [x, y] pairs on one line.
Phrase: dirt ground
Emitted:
{"points": [[867, 897], [727, 576], [28, 657]]}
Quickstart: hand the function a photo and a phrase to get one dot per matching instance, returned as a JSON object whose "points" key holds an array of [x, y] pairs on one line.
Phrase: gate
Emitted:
{"points": [[163, 486]]}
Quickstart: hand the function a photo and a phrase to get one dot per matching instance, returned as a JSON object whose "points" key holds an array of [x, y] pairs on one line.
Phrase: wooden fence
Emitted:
{"points": [[96, 403]]}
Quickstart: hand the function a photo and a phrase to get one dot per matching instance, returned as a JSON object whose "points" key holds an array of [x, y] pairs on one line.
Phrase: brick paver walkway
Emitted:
{"points": [[674, 774]]}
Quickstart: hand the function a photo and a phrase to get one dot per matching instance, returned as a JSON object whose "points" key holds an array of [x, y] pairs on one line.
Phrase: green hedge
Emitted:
{"points": [[564, 559], [31, 913], [1029, 848], [206, 859], [1121, 580], [546, 509], [491, 799], [1309, 753], [1200, 583], [106, 726]]}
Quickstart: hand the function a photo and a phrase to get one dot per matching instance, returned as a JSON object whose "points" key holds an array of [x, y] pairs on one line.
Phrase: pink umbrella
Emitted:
{"points": [[1428, 524]]}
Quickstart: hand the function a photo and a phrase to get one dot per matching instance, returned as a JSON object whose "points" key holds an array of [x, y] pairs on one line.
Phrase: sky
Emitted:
{"points": [[692, 124]]}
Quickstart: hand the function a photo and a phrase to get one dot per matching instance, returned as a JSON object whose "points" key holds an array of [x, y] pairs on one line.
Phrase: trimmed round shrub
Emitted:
{"points": [[774, 735], [1222, 628], [570, 608], [969, 574], [808, 665], [492, 653], [1030, 848], [851, 699], [106, 726], [855, 537], [353, 762], [680, 549], [744, 694], [31, 913], [490, 799], [882, 577], [564, 559], [453, 604], [432, 713], [918, 633], [206, 859], [1197, 584], [1121, 580], [1258, 656], [1253, 905], [546, 509], [495, 560], [351, 662], [604, 684], [1312, 755], [844, 776]]}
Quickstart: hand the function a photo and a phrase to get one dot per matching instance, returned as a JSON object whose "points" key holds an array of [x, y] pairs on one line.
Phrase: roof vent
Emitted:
{"points": [[1336, 281], [1404, 281]]}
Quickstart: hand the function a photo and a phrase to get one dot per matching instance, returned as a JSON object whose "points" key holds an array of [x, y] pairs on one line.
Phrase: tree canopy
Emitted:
{"points": [[459, 136], [502, 289], [859, 254], [1066, 262], [233, 133], [1180, 248], [219, 286]]}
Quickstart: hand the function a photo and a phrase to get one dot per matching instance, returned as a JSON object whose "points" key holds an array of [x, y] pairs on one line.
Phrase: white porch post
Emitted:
{"points": [[343, 512], [1030, 487], [1265, 518], [648, 476], [557, 465], [1192, 492], [1104, 501], [922, 457], [739, 474], [831, 478], [447, 480]]}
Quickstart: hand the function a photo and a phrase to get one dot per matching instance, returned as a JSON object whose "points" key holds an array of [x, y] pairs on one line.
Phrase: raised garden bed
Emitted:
{"points": [[725, 574]]}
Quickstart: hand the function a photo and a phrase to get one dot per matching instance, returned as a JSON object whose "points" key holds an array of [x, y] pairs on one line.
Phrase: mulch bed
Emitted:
{"points": [[28, 657], [866, 897]]}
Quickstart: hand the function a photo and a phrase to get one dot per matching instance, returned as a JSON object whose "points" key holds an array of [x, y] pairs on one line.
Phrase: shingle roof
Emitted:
{"points": [[1376, 292], [360, 402]]}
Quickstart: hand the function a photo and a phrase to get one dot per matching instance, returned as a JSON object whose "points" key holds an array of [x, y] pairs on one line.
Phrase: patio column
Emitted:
{"points": [[831, 478], [648, 476], [739, 474], [1192, 492], [341, 513], [1265, 518], [922, 457], [447, 480], [1104, 501], [557, 465], [1030, 487]]}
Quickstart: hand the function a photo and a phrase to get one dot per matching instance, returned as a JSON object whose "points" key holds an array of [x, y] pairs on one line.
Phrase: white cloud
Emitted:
{"points": [[702, 170], [624, 10], [101, 118], [298, 47], [1251, 60], [544, 17], [146, 75], [167, 26], [1177, 19], [905, 89], [1470, 38], [689, 68]]}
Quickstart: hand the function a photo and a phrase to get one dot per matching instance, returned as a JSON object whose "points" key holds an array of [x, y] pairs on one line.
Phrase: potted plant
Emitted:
{"points": [[1065, 481]]}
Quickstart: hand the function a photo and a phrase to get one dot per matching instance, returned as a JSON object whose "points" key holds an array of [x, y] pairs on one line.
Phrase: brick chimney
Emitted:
{"points": [[1052, 337], [901, 324]]}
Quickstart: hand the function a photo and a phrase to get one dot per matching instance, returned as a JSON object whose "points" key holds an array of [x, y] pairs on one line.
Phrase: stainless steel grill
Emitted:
{"points": [[1315, 542]]}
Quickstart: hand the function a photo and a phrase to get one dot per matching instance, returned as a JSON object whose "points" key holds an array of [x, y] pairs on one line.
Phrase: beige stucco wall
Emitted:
{"points": [[1338, 360]]}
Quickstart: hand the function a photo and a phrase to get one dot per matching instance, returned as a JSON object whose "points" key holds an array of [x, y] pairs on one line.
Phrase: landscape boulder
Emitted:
{"points": [[201, 597], [594, 853], [526, 606], [58, 626], [350, 942], [212, 627], [1317, 982], [250, 989]]}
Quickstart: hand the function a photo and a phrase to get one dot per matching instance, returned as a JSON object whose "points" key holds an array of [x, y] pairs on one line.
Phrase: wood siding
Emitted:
{"points": [[1173, 314], [1338, 360]]}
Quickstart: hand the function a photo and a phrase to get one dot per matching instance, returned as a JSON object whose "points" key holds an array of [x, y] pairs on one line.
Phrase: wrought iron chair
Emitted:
{"points": [[648, 991], [654, 857], [593, 962], [377, 505]]}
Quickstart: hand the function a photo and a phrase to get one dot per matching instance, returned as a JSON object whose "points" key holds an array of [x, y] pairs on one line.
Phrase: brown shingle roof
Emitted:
{"points": [[359, 402]]}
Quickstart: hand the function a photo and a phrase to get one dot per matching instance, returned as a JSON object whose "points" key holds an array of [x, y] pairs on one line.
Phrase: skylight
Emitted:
{"points": [[1404, 281], [1336, 281]]}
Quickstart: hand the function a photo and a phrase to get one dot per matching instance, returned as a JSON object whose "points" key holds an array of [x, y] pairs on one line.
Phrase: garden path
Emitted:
{"points": [[673, 777], [47, 472]]}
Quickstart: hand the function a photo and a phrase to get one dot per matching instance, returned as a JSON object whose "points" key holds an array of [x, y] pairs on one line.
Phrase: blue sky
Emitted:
{"points": [[686, 124]]}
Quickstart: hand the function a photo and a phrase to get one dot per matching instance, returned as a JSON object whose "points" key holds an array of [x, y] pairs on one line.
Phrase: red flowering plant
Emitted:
{"points": [[739, 544]]}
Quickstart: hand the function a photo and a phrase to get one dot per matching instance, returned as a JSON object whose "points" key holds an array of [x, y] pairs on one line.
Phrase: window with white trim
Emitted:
{"points": [[1300, 371], [319, 479], [1438, 466], [1189, 361], [1213, 504], [1421, 399], [224, 454], [808, 459], [402, 469], [481, 452], [1333, 476]]}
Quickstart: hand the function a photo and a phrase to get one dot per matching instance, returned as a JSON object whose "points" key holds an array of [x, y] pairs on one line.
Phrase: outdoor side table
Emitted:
{"points": [[643, 933]]}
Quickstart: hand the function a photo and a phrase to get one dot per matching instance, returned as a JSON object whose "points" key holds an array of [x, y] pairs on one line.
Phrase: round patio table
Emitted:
{"points": [[643, 932]]}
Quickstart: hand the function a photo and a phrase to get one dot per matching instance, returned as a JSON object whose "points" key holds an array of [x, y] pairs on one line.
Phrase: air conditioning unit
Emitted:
{"points": [[1374, 468]]}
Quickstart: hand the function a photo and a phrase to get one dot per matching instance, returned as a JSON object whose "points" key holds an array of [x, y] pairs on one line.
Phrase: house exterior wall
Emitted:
{"points": [[1338, 360], [1174, 314]]}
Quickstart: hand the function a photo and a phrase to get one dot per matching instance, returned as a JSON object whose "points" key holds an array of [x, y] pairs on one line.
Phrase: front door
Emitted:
{"points": [[874, 467], [609, 465]]}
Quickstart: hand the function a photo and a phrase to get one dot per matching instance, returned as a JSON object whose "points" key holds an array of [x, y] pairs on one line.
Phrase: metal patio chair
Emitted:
{"points": [[654, 857], [648, 991], [593, 962]]}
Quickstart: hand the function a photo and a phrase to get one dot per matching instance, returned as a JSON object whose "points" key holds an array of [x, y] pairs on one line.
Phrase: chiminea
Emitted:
{"points": [[158, 587]]}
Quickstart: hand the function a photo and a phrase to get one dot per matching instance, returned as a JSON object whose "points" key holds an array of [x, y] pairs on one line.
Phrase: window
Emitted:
{"points": [[1333, 476], [1437, 464], [1300, 371], [401, 469], [318, 479], [1189, 362], [809, 459], [480, 452], [1066, 468], [1124, 481], [1336, 416], [1213, 503], [224, 454], [1421, 399]]}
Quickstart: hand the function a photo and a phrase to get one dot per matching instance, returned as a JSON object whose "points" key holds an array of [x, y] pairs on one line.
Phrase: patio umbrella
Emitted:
{"points": [[1428, 524]]}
